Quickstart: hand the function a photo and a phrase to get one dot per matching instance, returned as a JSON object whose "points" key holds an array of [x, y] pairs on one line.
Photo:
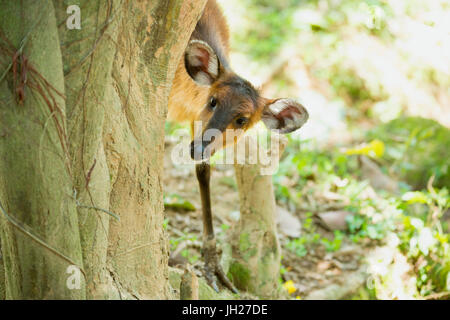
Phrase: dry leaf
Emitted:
{"points": [[288, 224], [335, 220]]}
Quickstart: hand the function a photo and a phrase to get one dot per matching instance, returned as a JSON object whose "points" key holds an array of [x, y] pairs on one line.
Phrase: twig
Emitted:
{"points": [[22, 44], [115, 216], [88, 176], [37, 239], [136, 248], [80, 205]]}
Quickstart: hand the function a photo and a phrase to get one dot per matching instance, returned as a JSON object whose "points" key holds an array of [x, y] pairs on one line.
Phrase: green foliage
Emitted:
{"points": [[166, 223], [229, 181], [222, 233], [191, 255], [171, 127], [408, 150], [177, 202], [416, 149], [174, 242], [364, 293], [360, 227], [273, 25], [307, 163], [239, 274], [414, 216], [335, 244], [298, 246], [424, 240]]}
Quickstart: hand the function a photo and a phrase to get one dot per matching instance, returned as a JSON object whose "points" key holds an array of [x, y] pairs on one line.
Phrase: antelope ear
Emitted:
{"points": [[201, 63], [285, 115]]}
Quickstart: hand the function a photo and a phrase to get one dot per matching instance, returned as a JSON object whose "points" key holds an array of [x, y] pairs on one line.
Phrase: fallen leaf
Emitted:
{"points": [[288, 224], [323, 265], [377, 179], [335, 220]]}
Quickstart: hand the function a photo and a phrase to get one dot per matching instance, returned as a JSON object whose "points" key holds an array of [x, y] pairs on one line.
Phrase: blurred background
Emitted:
{"points": [[362, 188]]}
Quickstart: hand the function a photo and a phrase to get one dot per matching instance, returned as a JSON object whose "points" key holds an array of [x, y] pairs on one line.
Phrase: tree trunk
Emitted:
{"points": [[39, 234], [150, 44], [256, 252], [2, 276], [117, 69], [88, 54]]}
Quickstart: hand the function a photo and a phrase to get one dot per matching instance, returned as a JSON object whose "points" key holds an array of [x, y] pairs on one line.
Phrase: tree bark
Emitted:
{"points": [[2, 276], [87, 55], [150, 45], [39, 234], [116, 73]]}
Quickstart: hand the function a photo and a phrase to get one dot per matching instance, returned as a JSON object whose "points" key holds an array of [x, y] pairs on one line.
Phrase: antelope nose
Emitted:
{"points": [[197, 150]]}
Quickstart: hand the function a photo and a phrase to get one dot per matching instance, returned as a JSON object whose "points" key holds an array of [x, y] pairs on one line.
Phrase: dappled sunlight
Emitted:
{"points": [[359, 175]]}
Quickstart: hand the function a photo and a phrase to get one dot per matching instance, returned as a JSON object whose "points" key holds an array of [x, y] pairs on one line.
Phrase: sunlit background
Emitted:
{"points": [[366, 179]]}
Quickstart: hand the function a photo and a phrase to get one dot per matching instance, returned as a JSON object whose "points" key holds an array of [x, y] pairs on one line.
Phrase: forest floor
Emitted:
{"points": [[318, 274], [352, 221]]}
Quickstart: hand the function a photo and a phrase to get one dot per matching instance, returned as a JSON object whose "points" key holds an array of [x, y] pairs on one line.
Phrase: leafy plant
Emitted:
{"points": [[335, 244], [298, 246], [192, 257], [177, 202]]}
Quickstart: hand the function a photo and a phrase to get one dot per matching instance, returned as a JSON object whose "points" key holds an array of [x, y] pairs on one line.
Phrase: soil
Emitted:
{"points": [[312, 274]]}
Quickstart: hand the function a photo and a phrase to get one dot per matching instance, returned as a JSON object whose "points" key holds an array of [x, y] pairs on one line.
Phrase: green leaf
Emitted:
{"points": [[414, 197], [177, 202]]}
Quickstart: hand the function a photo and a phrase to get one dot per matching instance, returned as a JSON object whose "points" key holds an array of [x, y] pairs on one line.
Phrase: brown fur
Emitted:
{"points": [[187, 99]]}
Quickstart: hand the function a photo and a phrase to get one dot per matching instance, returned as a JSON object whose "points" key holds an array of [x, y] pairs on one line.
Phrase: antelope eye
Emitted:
{"points": [[241, 121], [212, 103]]}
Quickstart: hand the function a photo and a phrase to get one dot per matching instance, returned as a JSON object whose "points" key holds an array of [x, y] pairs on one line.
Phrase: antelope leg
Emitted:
{"points": [[212, 266]]}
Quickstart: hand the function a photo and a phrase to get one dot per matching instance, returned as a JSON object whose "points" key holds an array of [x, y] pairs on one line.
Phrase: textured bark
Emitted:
{"points": [[39, 233], [88, 54], [116, 72], [152, 38], [2, 276], [256, 252], [205, 292]]}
